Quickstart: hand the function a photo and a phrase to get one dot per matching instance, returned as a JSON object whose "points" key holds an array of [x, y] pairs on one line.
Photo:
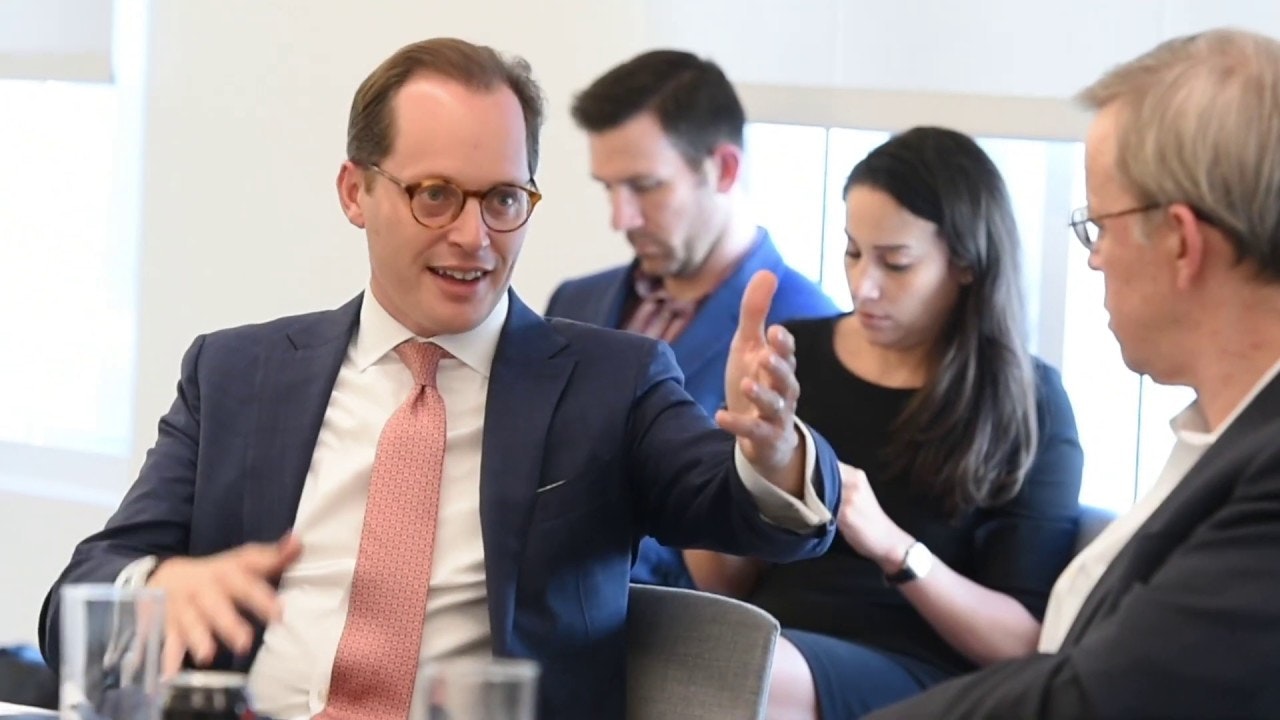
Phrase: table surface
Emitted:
{"points": [[11, 709]]}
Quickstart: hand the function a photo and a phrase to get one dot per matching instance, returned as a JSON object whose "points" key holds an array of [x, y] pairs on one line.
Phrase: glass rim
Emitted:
{"points": [[211, 679], [491, 669], [109, 592]]}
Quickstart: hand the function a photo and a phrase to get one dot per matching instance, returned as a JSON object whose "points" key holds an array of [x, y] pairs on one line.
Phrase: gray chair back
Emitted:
{"points": [[694, 655], [1092, 521]]}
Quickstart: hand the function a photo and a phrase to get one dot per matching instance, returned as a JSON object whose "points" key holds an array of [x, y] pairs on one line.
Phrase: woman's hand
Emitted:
{"points": [[864, 525], [985, 625]]}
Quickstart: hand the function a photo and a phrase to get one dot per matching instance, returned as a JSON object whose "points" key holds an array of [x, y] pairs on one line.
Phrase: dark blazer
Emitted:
{"points": [[595, 417], [1185, 623], [702, 350]]}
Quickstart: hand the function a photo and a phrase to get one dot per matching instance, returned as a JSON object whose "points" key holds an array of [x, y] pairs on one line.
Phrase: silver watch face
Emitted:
{"points": [[919, 560]]}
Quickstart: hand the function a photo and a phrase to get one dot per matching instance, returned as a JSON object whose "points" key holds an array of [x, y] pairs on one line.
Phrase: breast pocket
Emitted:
{"points": [[591, 491]]}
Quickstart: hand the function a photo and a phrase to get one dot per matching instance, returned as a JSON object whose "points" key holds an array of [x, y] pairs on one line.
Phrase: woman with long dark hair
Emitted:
{"points": [[963, 464]]}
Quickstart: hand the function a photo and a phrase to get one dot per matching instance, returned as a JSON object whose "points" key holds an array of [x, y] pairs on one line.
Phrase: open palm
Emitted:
{"points": [[760, 384]]}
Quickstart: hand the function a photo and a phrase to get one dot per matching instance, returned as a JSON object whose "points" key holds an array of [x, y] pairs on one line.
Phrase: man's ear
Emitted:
{"points": [[351, 192], [726, 166], [1189, 250]]}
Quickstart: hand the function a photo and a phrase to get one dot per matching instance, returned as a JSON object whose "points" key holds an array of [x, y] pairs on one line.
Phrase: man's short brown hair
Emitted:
{"points": [[691, 98], [370, 130]]}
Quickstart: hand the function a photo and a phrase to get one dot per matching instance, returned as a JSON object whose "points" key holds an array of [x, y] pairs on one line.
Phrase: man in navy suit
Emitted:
{"points": [[1172, 612], [562, 443], [666, 141]]}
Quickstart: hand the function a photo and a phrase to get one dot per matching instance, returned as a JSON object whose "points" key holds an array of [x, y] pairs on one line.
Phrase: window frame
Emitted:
{"points": [[982, 116]]}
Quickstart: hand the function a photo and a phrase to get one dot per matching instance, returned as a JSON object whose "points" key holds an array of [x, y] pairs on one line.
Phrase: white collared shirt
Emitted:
{"points": [[290, 674], [1077, 581]]}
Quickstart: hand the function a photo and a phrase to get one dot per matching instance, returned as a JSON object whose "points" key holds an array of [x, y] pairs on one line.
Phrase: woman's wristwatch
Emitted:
{"points": [[916, 563]]}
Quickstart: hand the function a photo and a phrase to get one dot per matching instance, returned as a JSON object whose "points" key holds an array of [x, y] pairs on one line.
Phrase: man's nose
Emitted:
{"points": [[469, 229], [626, 211], [1095, 259]]}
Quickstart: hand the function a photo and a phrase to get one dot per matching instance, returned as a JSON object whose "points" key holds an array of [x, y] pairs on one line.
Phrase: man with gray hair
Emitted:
{"points": [[1172, 612]]}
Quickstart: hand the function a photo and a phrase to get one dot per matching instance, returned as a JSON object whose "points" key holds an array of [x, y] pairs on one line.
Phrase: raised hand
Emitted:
{"points": [[761, 389], [205, 596]]}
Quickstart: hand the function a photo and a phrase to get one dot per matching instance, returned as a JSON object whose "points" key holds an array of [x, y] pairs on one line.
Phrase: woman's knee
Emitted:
{"points": [[791, 692]]}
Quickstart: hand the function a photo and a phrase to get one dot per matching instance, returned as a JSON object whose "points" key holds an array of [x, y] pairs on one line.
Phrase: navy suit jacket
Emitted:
{"points": [[702, 350], [1184, 622], [589, 442]]}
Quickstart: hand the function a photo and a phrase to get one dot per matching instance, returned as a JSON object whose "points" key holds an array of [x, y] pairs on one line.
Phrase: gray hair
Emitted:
{"points": [[1201, 126]]}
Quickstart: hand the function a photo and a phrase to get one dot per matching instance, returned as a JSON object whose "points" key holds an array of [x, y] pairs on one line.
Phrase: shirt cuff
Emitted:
{"points": [[135, 574], [779, 508]]}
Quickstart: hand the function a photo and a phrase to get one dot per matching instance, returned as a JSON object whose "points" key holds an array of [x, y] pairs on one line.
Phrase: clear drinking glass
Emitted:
{"points": [[481, 689], [111, 640]]}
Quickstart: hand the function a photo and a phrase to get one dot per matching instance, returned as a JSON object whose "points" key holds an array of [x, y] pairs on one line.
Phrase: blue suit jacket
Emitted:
{"points": [[702, 350], [597, 418]]}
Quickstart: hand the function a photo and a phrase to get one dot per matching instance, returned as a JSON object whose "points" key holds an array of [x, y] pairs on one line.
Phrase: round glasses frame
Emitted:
{"points": [[413, 190]]}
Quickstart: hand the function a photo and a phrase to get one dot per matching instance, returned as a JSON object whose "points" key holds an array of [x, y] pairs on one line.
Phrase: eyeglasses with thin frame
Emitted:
{"points": [[435, 203], [1088, 228]]}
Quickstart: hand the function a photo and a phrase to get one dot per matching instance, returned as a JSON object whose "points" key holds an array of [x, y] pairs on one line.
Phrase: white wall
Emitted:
{"points": [[55, 39], [986, 47], [245, 107]]}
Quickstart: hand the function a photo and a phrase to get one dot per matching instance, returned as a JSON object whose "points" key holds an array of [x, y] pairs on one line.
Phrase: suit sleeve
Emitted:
{"points": [[1199, 638], [684, 477], [154, 518]]}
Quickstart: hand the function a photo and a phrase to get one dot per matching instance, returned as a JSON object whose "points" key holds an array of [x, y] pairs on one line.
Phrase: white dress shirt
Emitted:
{"points": [[1077, 581], [290, 674]]}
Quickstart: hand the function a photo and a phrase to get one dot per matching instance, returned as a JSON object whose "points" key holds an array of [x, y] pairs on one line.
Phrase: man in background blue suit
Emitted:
{"points": [[666, 136], [560, 444]]}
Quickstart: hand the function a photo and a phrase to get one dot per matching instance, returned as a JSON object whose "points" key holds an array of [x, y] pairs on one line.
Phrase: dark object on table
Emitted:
{"points": [[25, 679]]}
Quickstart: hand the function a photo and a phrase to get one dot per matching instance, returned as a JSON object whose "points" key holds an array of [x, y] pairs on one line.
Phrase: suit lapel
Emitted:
{"points": [[708, 334], [1199, 493], [608, 313], [296, 378], [525, 384]]}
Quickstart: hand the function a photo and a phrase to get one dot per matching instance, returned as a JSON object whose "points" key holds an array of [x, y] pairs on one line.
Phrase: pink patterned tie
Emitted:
{"points": [[377, 660]]}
